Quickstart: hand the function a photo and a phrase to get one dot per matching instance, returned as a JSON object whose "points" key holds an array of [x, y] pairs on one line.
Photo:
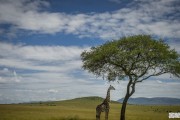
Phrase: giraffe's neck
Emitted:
{"points": [[108, 96]]}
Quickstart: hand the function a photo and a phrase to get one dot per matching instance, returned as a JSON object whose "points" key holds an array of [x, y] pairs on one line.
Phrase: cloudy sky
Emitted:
{"points": [[41, 42]]}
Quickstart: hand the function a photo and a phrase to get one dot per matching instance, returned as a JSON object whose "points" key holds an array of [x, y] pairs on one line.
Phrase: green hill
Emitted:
{"points": [[83, 100], [81, 109]]}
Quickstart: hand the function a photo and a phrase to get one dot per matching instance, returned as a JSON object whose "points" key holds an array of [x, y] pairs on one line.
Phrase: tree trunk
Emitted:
{"points": [[123, 109], [128, 95]]}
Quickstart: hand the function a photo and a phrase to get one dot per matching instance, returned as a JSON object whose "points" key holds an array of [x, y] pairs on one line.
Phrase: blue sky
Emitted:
{"points": [[41, 42]]}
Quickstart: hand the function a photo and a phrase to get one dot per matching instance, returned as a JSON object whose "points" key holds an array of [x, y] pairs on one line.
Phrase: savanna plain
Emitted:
{"points": [[82, 109]]}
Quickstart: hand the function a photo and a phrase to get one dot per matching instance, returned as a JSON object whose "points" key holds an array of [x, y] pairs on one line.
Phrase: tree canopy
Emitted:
{"points": [[138, 56]]}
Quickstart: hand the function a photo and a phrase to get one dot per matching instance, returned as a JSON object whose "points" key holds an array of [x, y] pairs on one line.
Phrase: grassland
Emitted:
{"points": [[81, 109]]}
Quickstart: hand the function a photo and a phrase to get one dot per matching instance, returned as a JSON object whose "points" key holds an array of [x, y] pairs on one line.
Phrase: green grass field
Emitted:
{"points": [[81, 109]]}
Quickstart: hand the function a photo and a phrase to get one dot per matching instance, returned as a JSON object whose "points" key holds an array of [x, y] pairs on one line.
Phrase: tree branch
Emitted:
{"points": [[160, 73], [150, 65], [132, 65], [129, 85], [133, 88]]}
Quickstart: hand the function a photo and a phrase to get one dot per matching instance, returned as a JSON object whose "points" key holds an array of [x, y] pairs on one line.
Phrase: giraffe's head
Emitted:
{"points": [[111, 87]]}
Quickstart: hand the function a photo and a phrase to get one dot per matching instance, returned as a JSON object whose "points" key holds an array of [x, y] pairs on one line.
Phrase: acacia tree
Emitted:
{"points": [[133, 58]]}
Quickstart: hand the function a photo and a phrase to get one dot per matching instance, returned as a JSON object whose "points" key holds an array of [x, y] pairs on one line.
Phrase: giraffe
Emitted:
{"points": [[104, 106]]}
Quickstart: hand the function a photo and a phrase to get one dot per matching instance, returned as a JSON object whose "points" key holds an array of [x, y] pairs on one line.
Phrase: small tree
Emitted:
{"points": [[134, 58]]}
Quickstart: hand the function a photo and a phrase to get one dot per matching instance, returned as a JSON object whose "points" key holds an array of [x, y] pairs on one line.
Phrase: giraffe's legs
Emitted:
{"points": [[98, 114], [106, 114]]}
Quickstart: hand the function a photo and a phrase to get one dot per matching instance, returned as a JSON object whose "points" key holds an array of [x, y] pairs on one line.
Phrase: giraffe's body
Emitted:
{"points": [[104, 106]]}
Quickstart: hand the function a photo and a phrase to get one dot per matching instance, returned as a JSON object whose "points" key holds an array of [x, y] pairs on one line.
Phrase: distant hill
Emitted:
{"points": [[90, 99], [153, 101]]}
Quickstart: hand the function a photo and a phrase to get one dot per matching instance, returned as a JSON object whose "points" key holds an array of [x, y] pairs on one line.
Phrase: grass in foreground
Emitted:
{"points": [[81, 109]]}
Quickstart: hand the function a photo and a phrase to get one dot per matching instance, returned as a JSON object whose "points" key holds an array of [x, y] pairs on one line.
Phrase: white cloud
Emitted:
{"points": [[9, 76], [12, 11], [50, 63], [150, 17], [53, 90], [48, 53], [47, 58]]}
